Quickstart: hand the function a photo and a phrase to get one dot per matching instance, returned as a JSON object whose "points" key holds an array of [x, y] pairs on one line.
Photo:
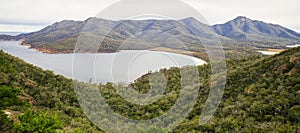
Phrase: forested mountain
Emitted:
{"points": [[261, 95], [145, 34]]}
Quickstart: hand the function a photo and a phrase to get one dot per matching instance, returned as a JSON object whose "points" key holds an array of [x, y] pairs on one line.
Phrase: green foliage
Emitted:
{"points": [[38, 123], [5, 123], [42, 90], [294, 113], [261, 95], [153, 130], [8, 96]]}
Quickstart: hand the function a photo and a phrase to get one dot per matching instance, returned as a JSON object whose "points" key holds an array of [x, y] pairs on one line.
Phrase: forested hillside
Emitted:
{"points": [[262, 95], [37, 100]]}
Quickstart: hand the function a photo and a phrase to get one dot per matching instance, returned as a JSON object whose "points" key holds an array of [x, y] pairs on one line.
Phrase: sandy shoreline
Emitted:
{"points": [[170, 50]]}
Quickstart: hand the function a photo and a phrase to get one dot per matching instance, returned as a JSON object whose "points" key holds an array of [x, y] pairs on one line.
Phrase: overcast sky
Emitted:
{"points": [[32, 15]]}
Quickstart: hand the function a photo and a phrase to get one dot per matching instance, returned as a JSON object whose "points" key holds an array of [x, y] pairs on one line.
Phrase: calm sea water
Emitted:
{"points": [[124, 66], [10, 33]]}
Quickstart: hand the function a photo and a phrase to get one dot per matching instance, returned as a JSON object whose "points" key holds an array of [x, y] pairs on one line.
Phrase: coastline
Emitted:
{"points": [[46, 50], [270, 51], [199, 55], [162, 49], [170, 50]]}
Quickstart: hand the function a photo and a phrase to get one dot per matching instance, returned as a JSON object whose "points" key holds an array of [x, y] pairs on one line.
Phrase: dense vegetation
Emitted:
{"points": [[262, 95], [37, 100]]}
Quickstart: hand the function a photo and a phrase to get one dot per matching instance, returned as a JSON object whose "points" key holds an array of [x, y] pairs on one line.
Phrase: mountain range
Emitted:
{"points": [[188, 33]]}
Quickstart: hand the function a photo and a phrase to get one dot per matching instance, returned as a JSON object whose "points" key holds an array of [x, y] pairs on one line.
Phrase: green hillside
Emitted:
{"points": [[43, 97], [262, 95]]}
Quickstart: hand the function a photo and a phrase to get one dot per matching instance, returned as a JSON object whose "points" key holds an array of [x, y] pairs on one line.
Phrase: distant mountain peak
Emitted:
{"points": [[95, 19], [64, 23], [189, 18], [241, 20], [243, 28]]}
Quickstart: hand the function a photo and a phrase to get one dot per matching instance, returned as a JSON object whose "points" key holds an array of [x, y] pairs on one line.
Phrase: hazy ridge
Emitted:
{"points": [[61, 37]]}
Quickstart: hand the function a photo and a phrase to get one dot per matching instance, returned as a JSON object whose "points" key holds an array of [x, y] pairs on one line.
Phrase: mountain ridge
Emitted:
{"points": [[243, 26], [146, 34]]}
